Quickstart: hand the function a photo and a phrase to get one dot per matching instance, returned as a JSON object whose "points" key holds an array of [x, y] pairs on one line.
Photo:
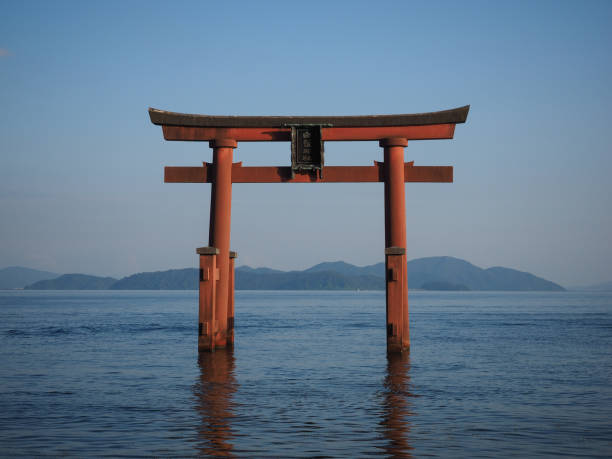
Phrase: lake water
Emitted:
{"points": [[490, 374]]}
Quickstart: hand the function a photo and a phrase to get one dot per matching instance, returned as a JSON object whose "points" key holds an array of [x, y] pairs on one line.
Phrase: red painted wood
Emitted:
{"points": [[393, 135], [395, 235], [191, 133], [426, 132], [220, 224], [206, 310], [398, 333], [394, 178], [331, 174], [230, 301]]}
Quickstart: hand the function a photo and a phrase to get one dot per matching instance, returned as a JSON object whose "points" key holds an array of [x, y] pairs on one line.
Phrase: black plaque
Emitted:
{"points": [[306, 149]]}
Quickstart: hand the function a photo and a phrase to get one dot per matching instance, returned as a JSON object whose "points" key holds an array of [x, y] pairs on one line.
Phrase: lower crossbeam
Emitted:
{"points": [[330, 174]]}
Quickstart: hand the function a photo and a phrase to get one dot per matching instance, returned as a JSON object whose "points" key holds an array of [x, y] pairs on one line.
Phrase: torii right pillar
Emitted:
{"points": [[398, 329]]}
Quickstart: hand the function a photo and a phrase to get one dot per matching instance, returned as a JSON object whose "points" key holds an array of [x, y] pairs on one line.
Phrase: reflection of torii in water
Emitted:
{"points": [[307, 135], [396, 405], [216, 385], [214, 390]]}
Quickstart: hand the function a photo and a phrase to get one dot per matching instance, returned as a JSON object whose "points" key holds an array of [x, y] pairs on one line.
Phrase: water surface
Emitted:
{"points": [[490, 374]]}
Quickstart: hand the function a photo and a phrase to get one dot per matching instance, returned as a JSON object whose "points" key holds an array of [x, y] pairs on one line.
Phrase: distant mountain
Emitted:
{"points": [[73, 282], [447, 273], [250, 279], [18, 277], [602, 287], [259, 270], [510, 279], [460, 272], [349, 270], [433, 273], [174, 279], [445, 269]]}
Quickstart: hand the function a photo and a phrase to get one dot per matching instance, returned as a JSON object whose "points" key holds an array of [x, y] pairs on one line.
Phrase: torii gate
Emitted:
{"points": [[307, 135]]}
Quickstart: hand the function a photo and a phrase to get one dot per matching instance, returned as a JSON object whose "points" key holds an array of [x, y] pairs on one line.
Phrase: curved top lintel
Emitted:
{"points": [[164, 118]]}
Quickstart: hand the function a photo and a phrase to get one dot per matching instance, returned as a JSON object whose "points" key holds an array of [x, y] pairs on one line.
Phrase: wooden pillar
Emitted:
{"points": [[220, 226], [398, 333], [206, 312], [230, 299]]}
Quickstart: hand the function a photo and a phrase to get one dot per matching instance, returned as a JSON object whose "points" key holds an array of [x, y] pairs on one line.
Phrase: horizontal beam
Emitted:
{"points": [[201, 134], [165, 118], [330, 174]]}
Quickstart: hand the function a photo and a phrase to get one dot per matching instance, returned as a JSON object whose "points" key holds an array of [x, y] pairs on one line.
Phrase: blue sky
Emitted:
{"points": [[81, 166]]}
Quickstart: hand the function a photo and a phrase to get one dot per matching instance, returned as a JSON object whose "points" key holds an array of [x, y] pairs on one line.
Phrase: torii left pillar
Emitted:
{"points": [[219, 234], [398, 328]]}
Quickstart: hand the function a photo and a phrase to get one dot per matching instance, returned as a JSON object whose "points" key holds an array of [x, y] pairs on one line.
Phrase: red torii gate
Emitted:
{"points": [[307, 135]]}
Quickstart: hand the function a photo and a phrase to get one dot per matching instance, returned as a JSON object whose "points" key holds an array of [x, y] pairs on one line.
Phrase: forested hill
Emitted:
{"points": [[16, 277], [74, 282], [432, 273]]}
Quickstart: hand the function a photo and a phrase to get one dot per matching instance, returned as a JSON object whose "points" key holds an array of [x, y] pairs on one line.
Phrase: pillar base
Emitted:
{"points": [[398, 332], [210, 337], [207, 320]]}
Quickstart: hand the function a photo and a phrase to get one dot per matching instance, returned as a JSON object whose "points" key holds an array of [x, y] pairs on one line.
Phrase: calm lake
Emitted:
{"points": [[490, 374]]}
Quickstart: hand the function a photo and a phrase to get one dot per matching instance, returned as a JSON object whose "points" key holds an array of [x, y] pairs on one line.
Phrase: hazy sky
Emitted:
{"points": [[81, 166]]}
